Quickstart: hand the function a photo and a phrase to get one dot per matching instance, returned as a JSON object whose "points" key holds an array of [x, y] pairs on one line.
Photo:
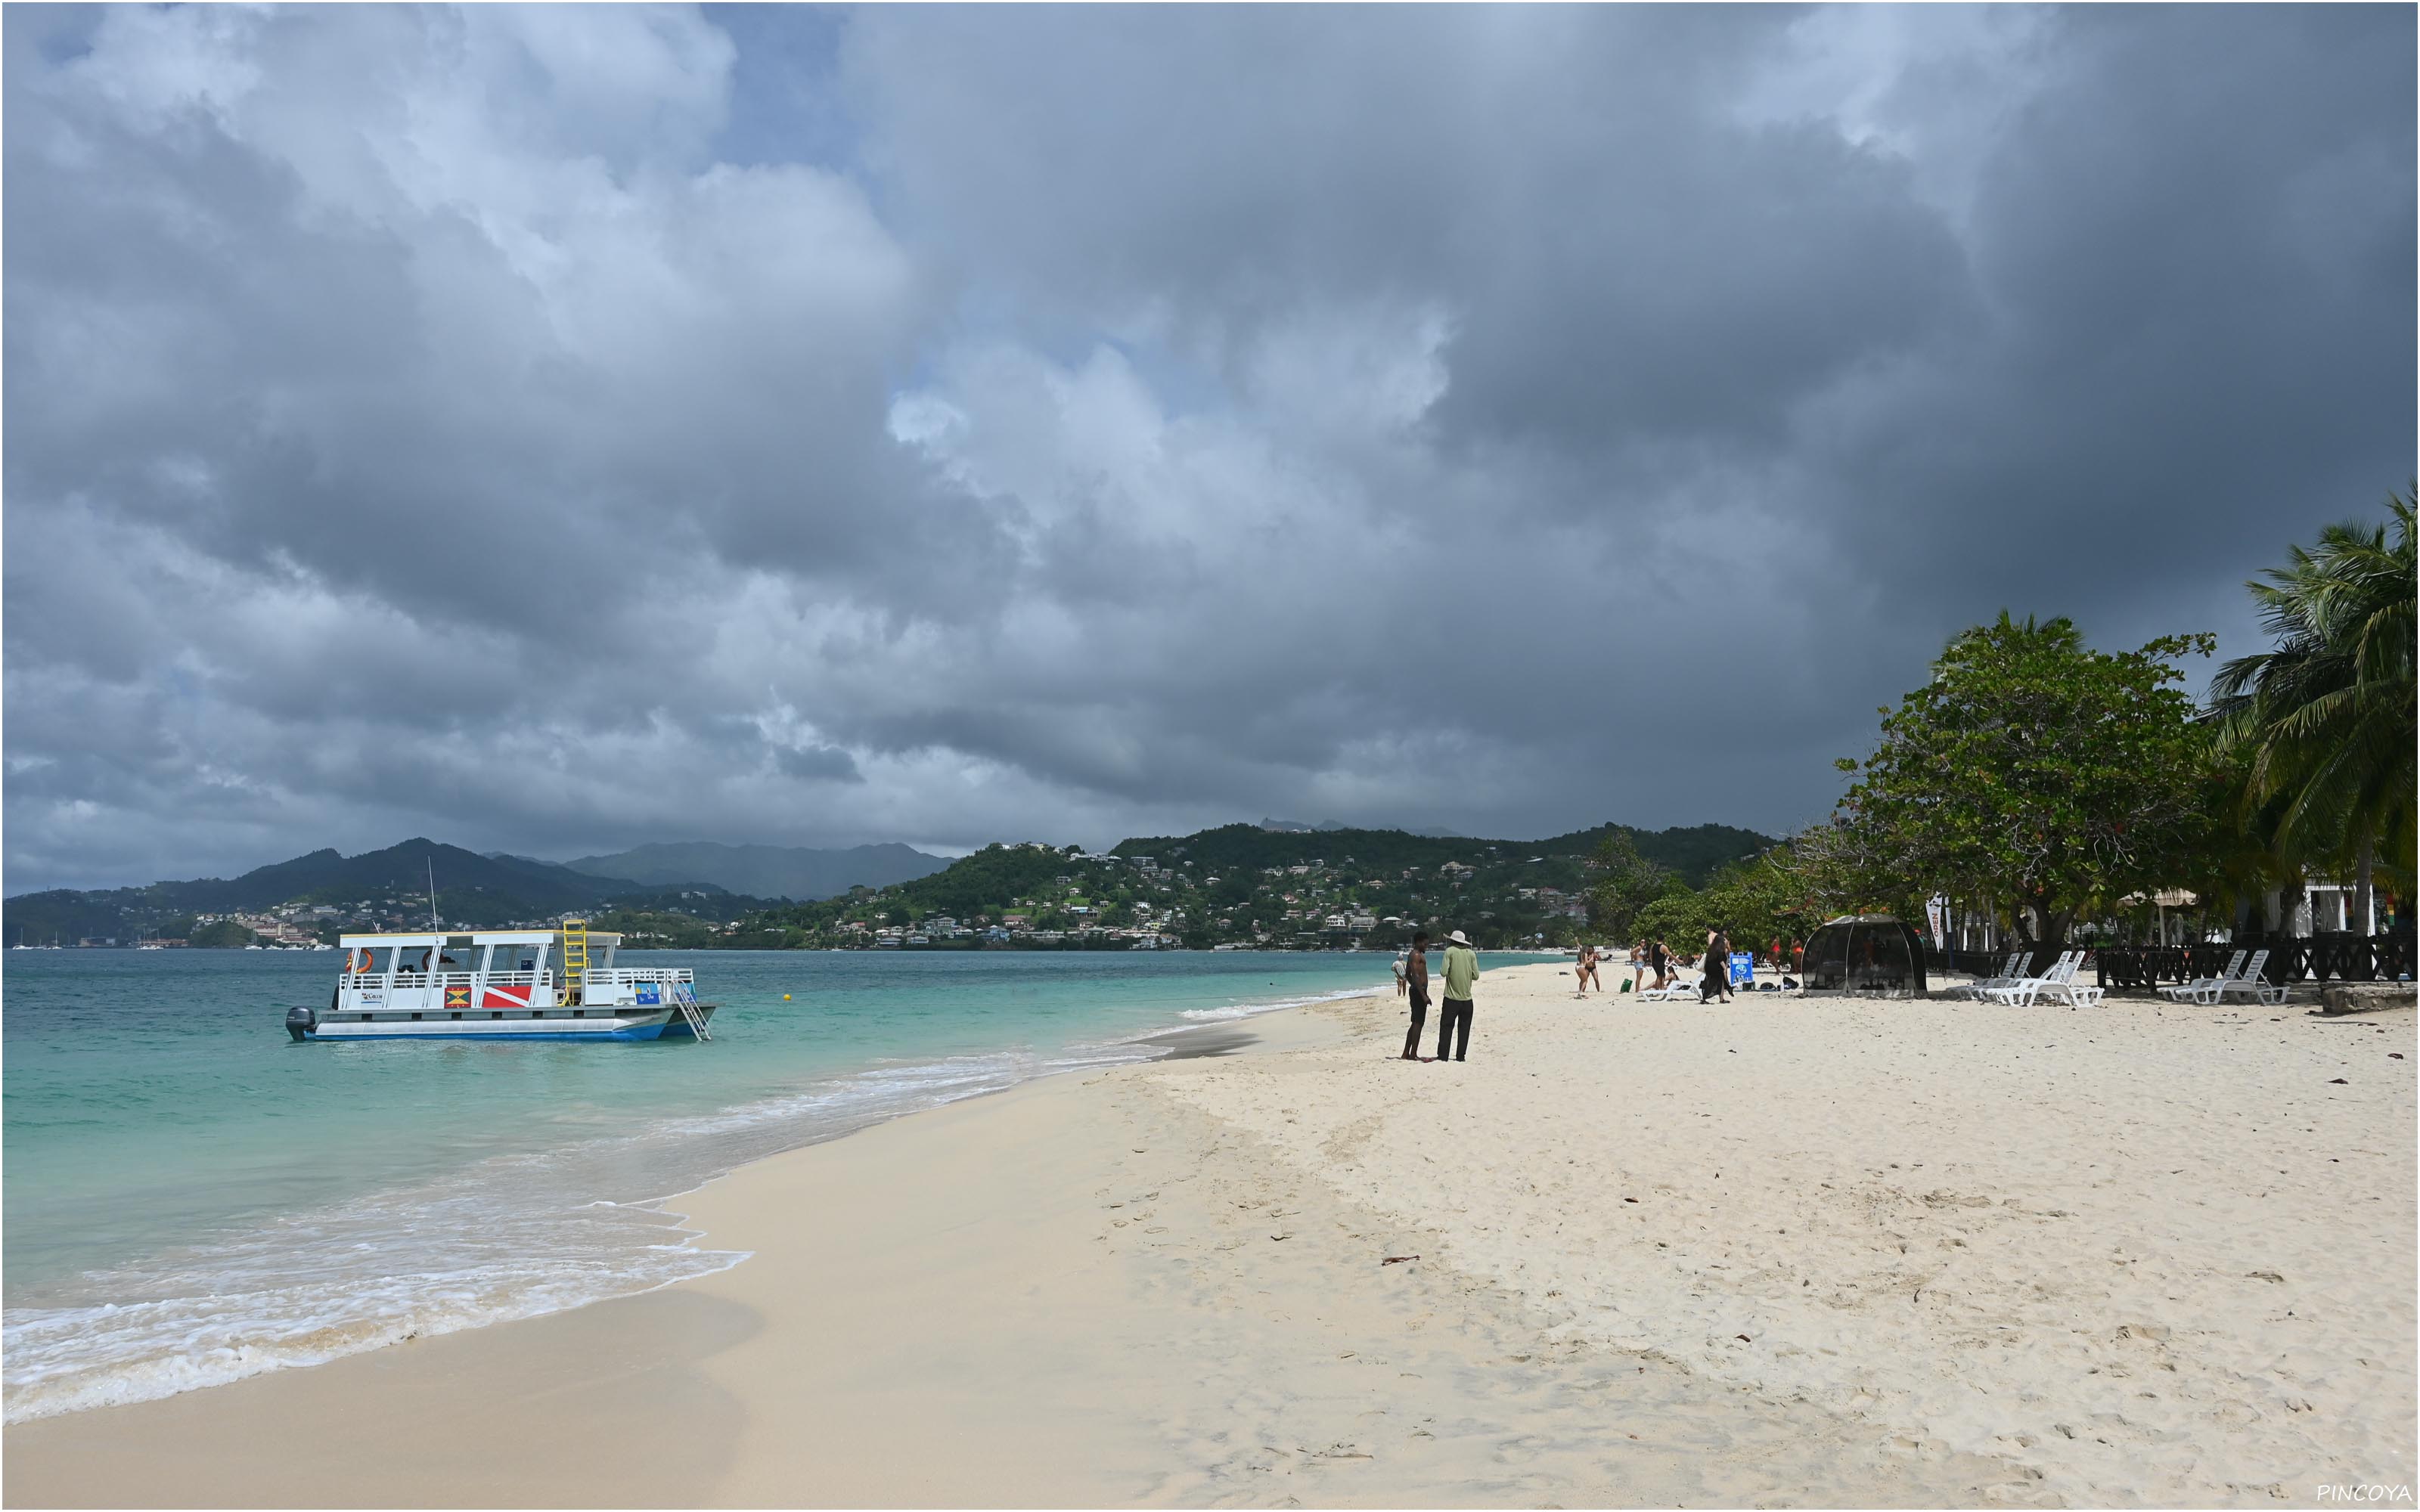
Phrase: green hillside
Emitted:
{"points": [[1244, 885], [1693, 853]]}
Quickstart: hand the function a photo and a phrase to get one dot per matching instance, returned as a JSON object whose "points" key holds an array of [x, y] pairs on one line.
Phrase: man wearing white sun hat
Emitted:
{"points": [[1461, 970]]}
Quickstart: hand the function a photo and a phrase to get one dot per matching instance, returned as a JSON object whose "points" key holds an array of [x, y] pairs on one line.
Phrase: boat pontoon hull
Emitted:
{"points": [[305, 1024]]}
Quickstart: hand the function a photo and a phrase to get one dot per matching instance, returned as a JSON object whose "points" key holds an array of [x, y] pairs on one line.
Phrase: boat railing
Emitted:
{"points": [[421, 990], [613, 976], [433, 980], [500, 978], [493, 979]]}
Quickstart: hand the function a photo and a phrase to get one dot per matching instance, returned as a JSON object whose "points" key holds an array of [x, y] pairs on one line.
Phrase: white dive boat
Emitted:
{"points": [[552, 984]]}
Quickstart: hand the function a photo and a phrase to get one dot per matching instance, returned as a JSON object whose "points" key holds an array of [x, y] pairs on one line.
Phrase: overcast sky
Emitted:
{"points": [[552, 429]]}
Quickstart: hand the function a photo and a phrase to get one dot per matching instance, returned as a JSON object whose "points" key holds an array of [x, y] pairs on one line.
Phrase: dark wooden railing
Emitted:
{"points": [[2292, 958]]}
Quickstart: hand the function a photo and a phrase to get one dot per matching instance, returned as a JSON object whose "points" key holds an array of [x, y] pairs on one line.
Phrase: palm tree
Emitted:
{"points": [[2325, 719]]}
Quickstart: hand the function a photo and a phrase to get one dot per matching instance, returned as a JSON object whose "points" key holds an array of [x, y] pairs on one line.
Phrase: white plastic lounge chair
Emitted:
{"points": [[2189, 991], [2018, 981], [2251, 982], [2053, 981], [1681, 987], [2012, 972], [2021, 988], [2022, 994], [2077, 994], [1975, 988], [2211, 989]]}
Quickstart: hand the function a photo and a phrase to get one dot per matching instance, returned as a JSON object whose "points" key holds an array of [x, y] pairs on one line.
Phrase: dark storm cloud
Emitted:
{"points": [[557, 429]]}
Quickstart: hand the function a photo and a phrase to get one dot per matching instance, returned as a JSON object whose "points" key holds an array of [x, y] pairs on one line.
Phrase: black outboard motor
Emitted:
{"points": [[300, 1022]]}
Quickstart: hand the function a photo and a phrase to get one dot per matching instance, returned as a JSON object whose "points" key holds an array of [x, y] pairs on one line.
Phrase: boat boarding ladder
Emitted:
{"points": [[685, 999], [575, 957]]}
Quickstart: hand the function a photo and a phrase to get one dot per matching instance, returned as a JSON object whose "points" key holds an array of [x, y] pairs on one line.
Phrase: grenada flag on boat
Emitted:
{"points": [[458, 997]]}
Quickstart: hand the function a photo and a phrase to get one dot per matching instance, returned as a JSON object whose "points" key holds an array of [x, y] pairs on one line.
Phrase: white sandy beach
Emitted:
{"points": [[1802, 1254]]}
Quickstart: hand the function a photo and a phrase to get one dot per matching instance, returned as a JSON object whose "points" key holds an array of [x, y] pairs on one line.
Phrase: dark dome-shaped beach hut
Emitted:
{"points": [[1867, 955]]}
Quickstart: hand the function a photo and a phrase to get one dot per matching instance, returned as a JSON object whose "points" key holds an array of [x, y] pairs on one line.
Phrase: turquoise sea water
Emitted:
{"points": [[191, 1198]]}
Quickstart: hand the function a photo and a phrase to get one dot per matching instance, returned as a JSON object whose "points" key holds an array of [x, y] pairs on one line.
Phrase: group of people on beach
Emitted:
{"points": [[1654, 959], [1655, 956], [1462, 971]]}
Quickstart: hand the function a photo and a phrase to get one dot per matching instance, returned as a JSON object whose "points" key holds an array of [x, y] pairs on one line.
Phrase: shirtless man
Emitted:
{"points": [[1416, 975]]}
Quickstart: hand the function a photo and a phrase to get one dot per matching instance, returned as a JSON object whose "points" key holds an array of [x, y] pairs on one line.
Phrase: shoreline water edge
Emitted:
{"points": [[553, 1220], [1815, 1252]]}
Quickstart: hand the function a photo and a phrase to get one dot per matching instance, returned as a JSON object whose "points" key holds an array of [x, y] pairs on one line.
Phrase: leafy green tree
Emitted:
{"points": [[1625, 883], [1825, 874], [1679, 917], [1772, 897], [2035, 768], [1783, 893], [2325, 719]]}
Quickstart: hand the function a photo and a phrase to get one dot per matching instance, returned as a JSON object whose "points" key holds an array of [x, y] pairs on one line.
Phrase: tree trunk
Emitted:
{"points": [[2362, 868]]}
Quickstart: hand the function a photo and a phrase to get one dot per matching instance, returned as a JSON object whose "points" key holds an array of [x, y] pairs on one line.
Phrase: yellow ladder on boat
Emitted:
{"points": [[575, 956]]}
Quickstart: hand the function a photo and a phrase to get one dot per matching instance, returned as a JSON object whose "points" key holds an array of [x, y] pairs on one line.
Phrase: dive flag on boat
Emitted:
{"points": [[458, 997], [501, 996]]}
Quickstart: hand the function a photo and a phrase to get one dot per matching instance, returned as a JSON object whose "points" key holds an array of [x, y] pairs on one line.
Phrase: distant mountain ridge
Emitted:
{"points": [[469, 886], [797, 873], [706, 880]]}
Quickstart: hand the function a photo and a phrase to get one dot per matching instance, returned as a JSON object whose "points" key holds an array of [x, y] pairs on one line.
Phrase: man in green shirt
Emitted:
{"points": [[1461, 970]]}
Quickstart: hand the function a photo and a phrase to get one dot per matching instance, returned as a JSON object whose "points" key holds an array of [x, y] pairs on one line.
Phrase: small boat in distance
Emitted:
{"points": [[558, 984]]}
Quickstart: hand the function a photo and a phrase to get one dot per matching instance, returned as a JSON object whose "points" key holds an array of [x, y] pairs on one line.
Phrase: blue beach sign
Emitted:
{"points": [[1743, 968]]}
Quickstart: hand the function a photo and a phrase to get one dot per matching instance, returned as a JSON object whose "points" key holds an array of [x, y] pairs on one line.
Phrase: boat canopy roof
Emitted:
{"points": [[482, 936]]}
